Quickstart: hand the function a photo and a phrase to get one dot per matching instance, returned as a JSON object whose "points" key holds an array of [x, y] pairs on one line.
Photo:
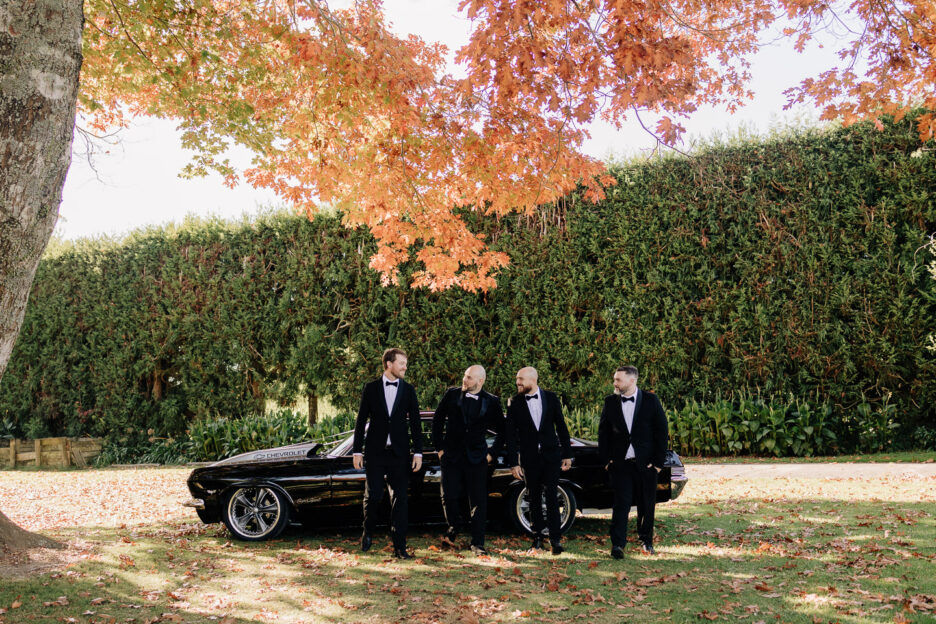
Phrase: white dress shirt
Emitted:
{"points": [[628, 409], [389, 393], [536, 408]]}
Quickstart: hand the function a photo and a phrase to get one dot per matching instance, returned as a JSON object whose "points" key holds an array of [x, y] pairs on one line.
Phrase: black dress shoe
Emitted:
{"points": [[448, 540], [617, 552], [647, 547], [537, 544], [366, 543], [478, 551], [401, 553], [557, 549]]}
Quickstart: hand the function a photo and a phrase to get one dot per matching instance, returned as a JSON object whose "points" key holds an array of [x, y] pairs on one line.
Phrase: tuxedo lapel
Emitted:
{"points": [[636, 409], [526, 410], [460, 402], [396, 399], [380, 398]]}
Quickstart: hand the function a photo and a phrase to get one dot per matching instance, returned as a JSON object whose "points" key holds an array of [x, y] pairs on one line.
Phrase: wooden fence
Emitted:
{"points": [[50, 452]]}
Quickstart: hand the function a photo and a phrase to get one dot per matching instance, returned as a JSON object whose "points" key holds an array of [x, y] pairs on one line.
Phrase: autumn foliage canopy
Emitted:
{"points": [[338, 109]]}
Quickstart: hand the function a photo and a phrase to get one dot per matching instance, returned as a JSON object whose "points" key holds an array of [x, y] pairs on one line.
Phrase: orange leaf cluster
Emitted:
{"points": [[338, 110]]}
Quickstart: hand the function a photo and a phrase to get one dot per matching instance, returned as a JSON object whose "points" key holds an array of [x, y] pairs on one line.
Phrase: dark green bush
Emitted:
{"points": [[793, 267]]}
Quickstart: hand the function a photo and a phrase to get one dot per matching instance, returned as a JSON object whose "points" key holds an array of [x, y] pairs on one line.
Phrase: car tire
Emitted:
{"points": [[518, 508], [255, 513]]}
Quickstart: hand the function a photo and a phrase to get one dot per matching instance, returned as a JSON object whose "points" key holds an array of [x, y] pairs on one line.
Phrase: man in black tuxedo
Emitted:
{"points": [[538, 448], [632, 439], [459, 432], [387, 419]]}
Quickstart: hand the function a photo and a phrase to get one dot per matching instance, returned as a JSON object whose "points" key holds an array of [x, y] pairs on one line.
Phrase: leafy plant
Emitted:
{"points": [[753, 426], [754, 272], [211, 440]]}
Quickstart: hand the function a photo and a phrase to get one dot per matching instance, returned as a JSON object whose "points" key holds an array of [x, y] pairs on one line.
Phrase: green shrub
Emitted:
{"points": [[582, 423], [924, 439], [211, 440], [753, 427], [790, 267]]}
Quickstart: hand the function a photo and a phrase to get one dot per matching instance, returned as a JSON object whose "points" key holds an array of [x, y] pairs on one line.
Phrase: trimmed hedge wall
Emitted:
{"points": [[792, 269]]}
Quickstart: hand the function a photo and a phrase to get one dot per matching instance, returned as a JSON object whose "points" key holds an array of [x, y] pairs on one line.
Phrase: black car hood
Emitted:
{"points": [[292, 451]]}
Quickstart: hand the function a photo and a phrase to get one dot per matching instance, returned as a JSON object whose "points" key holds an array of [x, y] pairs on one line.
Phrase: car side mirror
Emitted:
{"points": [[314, 450]]}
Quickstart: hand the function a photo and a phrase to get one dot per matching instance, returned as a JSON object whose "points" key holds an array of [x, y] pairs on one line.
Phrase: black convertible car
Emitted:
{"points": [[257, 494]]}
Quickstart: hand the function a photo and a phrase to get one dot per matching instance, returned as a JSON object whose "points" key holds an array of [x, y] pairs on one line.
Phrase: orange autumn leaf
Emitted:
{"points": [[338, 110]]}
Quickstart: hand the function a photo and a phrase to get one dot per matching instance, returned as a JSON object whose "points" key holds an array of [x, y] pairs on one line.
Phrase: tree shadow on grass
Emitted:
{"points": [[803, 561]]}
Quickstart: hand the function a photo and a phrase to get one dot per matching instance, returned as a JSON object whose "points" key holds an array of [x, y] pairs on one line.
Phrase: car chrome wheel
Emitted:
{"points": [[520, 509], [256, 513]]}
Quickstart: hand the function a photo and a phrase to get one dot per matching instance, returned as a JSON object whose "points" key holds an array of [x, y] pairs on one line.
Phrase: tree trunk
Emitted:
{"points": [[40, 60], [313, 409], [13, 538]]}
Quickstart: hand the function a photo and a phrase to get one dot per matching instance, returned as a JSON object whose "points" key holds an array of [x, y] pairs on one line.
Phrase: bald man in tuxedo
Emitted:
{"points": [[459, 431], [538, 449]]}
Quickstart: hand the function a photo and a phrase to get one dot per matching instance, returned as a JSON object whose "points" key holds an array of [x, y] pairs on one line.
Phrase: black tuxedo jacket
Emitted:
{"points": [[524, 442], [374, 423], [649, 431], [460, 428]]}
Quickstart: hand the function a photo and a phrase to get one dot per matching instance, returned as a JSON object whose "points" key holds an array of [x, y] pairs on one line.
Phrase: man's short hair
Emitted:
{"points": [[630, 370], [390, 355]]}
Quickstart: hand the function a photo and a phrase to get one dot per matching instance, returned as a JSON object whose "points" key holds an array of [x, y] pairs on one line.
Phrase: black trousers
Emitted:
{"points": [[541, 475], [460, 476], [633, 485], [386, 467]]}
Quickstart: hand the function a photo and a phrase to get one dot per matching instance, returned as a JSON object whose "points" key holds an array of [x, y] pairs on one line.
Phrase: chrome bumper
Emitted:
{"points": [[195, 503], [678, 480]]}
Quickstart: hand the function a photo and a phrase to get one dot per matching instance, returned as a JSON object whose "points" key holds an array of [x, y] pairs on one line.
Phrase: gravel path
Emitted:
{"points": [[807, 471]]}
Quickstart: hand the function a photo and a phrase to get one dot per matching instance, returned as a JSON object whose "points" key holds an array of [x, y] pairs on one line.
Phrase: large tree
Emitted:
{"points": [[338, 109]]}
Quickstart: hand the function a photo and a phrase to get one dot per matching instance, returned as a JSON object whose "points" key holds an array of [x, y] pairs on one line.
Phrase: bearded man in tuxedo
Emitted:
{"points": [[459, 432], [538, 448], [387, 420], [632, 439]]}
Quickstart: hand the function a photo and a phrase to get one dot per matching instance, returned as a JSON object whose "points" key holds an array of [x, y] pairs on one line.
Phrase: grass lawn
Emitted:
{"points": [[756, 550]]}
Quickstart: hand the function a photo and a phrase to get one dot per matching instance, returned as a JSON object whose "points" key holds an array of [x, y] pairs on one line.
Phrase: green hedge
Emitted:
{"points": [[793, 267]]}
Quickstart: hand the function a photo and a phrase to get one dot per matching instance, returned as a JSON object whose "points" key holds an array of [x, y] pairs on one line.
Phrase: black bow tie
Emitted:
{"points": [[626, 399], [391, 383], [531, 397]]}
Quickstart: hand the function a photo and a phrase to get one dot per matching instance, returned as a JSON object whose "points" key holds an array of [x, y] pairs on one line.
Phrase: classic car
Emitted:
{"points": [[257, 494]]}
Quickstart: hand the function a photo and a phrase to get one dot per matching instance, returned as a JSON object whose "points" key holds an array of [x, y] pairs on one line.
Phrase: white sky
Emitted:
{"points": [[136, 184]]}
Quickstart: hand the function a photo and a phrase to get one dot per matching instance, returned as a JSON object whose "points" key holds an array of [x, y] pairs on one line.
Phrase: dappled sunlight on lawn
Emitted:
{"points": [[771, 550]]}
